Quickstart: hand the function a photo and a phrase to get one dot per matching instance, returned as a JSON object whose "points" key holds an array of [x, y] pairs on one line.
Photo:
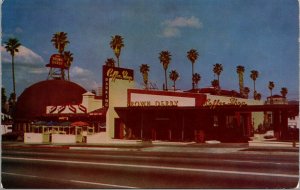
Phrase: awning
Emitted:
{"points": [[79, 124], [100, 111]]}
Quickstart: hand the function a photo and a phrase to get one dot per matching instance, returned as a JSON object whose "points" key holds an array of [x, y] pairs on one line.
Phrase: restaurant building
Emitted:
{"points": [[57, 104], [202, 114], [51, 107]]}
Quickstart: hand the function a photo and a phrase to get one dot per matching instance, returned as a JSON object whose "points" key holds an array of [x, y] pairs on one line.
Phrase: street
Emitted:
{"points": [[137, 168]]}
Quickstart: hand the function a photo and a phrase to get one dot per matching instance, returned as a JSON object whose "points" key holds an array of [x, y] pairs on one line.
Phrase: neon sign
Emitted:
{"points": [[57, 61], [232, 101], [113, 73]]}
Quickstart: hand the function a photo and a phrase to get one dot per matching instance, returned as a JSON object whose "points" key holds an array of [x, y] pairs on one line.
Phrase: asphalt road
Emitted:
{"points": [[64, 168]]}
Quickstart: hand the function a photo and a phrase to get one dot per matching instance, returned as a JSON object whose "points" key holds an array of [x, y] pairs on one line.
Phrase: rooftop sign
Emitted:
{"points": [[57, 61]]}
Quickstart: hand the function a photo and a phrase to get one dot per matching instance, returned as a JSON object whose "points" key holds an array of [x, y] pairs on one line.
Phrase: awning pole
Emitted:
{"points": [[142, 126], [182, 135]]}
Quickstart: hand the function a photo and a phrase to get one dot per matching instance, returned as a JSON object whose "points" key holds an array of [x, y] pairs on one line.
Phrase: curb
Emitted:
{"points": [[273, 144]]}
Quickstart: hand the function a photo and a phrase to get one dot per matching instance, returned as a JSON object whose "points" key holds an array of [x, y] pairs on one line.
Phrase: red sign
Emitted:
{"points": [[57, 61]]}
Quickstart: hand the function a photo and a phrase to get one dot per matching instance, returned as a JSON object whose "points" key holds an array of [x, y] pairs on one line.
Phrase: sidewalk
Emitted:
{"points": [[164, 146]]}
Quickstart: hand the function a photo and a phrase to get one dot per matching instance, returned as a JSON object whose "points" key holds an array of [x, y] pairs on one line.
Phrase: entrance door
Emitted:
{"points": [[119, 129], [162, 130], [78, 134]]}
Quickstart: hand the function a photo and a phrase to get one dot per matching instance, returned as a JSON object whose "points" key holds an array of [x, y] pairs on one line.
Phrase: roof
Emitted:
{"points": [[88, 94], [134, 111], [100, 111], [211, 90], [276, 96], [34, 99]]}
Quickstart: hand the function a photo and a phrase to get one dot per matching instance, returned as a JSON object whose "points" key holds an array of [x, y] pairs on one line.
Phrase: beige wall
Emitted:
{"points": [[117, 98], [89, 101]]}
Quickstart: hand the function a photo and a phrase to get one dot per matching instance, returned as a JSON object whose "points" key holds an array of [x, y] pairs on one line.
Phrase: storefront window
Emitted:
{"points": [[230, 121], [216, 123]]}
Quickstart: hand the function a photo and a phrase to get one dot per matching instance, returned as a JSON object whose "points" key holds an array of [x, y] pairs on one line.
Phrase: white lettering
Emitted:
{"points": [[155, 103]]}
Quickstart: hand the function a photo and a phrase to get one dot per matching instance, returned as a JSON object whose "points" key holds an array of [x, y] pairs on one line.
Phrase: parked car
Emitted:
{"points": [[269, 134]]}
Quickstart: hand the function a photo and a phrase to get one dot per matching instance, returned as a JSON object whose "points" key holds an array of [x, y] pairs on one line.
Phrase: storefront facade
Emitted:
{"points": [[182, 116], [186, 116]]}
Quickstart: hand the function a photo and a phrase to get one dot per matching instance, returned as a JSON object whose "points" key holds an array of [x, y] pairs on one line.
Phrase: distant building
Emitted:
{"points": [[293, 121], [276, 99]]}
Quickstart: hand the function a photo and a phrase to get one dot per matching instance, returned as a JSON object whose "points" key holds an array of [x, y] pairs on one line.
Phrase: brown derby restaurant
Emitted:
{"points": [[124, 112], [184, 116]]}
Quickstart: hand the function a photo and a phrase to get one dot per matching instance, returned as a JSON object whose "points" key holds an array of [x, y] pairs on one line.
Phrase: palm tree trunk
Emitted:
{"points": [[68, 74], [271, 98], [62, 74], [254, 89], [13, 74], [118, 59], [174, 86], [193, 84], [166, 82]]}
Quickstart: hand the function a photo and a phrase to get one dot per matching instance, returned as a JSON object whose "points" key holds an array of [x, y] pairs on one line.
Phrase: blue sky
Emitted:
{"points": [[258, 34]]}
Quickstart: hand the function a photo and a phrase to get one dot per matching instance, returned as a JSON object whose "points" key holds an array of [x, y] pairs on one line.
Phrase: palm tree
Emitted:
{"points": [[11, 104], [254, 75], [116, 44], [218, 68], [174, 76], [144, 69], [196, 78], [284, 91], [240, 71], [257, 96], [246, 91], [215, 84], [192, 55], [165, 59], [68, 58], [60, 40], [3, 100], [110, 62], [271, 86], [12, 46]]}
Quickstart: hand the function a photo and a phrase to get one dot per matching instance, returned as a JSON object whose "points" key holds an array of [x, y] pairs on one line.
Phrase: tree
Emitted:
{"points": [[60, 40], [257, 96], [284, 91], [3, 100], [68, 57], [110, 62], [144, 69], [218, 68], [12, 46], [165, 59], [215, 84], [254, 75], [246, 92], [192, 55], [196, 78], [116, 44], [12, 103], [174, 76], [271, 86], [240, 71]]}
